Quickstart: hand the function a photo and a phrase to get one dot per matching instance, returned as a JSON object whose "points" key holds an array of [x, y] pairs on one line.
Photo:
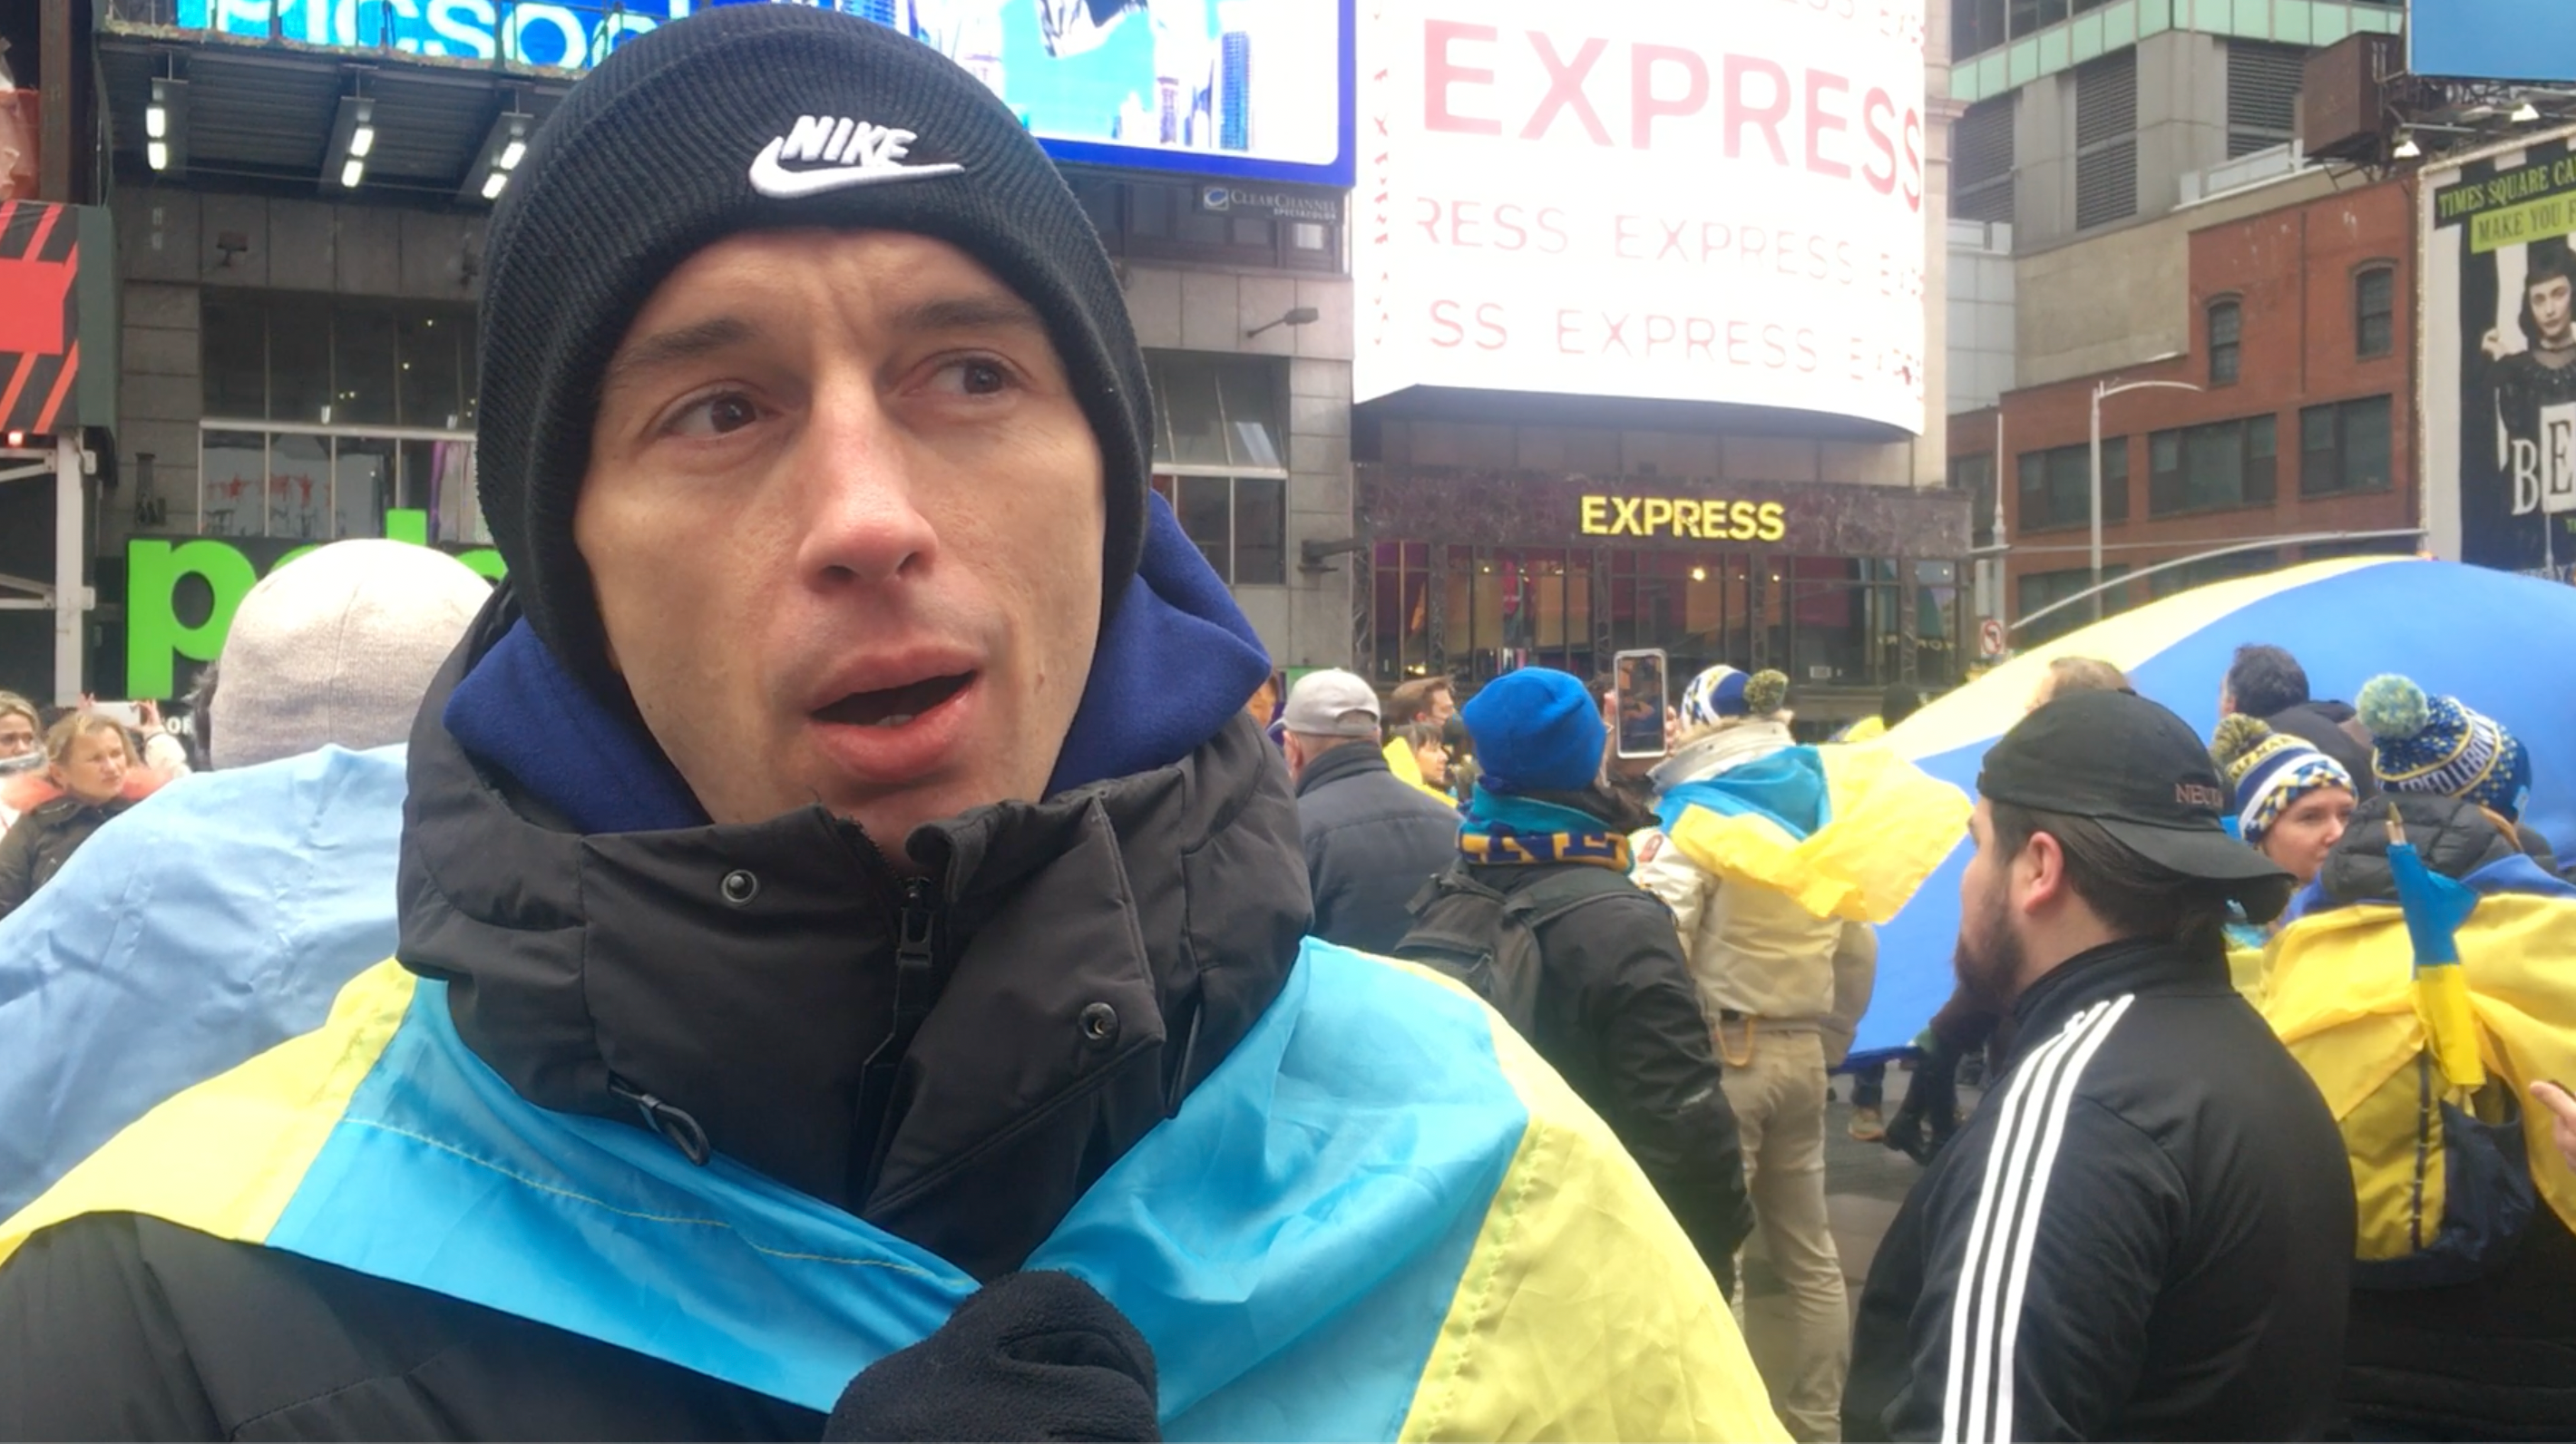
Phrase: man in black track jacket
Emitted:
{"points": [[2145, 1232]]}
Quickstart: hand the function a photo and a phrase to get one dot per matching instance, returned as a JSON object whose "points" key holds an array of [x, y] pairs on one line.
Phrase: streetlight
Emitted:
{"points": [[2101, 392]]}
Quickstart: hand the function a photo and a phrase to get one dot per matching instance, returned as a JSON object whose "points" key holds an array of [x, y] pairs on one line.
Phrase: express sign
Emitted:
{"points": [[1717, 202]]}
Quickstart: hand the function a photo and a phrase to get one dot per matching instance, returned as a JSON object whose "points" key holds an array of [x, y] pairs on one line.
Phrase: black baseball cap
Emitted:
{"points": [[2140, 772]]}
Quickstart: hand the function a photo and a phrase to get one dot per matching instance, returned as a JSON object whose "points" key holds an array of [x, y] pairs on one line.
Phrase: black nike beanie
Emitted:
{"points": [[761, 117]]}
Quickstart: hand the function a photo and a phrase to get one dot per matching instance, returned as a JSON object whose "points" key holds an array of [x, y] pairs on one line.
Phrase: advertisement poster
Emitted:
{"points": [[1254, 89], [1677, 202], [2499, 403]]}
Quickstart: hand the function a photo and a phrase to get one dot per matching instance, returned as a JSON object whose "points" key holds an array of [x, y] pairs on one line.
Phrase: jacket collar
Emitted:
{"points": [[2129, 965], [954, 1058], [1729, 746], [1348, 760]]}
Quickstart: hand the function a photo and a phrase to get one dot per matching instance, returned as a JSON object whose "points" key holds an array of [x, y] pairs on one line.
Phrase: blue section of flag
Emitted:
{"points": [[1290, 1243], [2434, 905], [2418, 613], [215, 920]]}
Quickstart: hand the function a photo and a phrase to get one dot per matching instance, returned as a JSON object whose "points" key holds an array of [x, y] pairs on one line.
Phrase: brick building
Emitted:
{"points": [[2295, 436]]}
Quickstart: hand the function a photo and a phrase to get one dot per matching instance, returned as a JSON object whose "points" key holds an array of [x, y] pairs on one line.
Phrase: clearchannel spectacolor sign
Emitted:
{"points": [[1692, 202], [1255, 89]]}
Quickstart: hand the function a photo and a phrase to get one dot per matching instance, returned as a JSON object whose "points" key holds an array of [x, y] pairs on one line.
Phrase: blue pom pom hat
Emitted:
{"points": [[2439, 746]]}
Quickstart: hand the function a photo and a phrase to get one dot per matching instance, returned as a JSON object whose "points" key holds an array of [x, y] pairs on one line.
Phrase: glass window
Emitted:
{"points": [[1399, 619], [431, 384], [2212, 467], [2226, 322], [233, 349], [1975, 475], [1938, 624], [2374, 308], [2056, 484], [232, 471], [299, 487], [363, 365], [2034, 591], [299, 359], [362, 485], [2345, 447], [1260, 531], [294, 356], [1220, 411]]}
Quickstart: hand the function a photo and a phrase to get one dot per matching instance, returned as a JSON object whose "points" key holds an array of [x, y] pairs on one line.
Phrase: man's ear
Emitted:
{"points": [[2039, 874]]}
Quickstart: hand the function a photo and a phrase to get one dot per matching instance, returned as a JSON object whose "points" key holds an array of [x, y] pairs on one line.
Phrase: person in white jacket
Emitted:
{"points": [[1782, 990]]}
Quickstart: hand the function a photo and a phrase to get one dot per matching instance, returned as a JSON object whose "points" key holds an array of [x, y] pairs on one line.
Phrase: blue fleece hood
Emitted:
{"points": [[1176, 660]]}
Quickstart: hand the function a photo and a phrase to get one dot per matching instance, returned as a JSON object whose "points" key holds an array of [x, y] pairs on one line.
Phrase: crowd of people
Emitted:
{"points": [[837, 955], [1706, 1030]]}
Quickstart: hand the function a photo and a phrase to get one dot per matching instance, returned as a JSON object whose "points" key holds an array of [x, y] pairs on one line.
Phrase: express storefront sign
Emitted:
{"points": [[1684, 518]]}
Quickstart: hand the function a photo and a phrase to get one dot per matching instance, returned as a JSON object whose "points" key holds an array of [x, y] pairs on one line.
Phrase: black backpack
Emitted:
{"points": [[1488, 939]]}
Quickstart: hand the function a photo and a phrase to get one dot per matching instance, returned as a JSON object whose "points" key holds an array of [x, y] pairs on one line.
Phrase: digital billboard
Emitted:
{"points": [[1627, 199], [2499, 361], [2492, 39], [1249, 89]]}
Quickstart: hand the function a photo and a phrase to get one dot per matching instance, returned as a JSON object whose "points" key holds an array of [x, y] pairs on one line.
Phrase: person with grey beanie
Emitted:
{"points": [[335, 648]]}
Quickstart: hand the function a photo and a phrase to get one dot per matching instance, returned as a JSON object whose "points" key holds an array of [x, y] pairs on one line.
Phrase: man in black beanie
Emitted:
{"points": [[851, 981]]}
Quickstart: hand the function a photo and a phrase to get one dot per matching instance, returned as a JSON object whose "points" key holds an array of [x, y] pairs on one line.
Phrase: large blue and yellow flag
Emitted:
{"points": [[1381, 1217], [2497, 641]]}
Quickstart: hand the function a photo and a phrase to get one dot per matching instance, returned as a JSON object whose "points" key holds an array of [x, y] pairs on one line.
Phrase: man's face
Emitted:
{"points": [[2553, 307], [1443, 707], [1990, 952], [17, 735], [845, 516]]}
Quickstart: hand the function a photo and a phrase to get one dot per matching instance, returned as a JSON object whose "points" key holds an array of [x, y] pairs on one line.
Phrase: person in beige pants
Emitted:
{"points": [[1782, 990]]}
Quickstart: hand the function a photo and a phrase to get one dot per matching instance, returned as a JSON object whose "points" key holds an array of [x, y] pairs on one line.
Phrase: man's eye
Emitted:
{"points": [[714, 416], [974, 376]]}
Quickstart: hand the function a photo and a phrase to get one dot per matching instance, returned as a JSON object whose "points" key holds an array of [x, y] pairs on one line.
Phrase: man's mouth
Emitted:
{"points": [[894, 706]]}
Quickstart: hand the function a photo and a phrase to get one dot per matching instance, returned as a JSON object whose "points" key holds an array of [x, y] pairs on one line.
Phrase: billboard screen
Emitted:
{"points": [[2499, 368], [1250, 89], [1675, 202], [2492, 39]]}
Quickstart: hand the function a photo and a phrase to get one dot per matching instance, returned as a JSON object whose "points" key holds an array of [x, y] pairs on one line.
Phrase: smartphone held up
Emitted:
{"points": [[1639, 694]]}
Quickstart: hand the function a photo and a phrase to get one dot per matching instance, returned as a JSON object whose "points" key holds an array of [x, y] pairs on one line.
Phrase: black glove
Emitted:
{"points": [[1033, 1356]]}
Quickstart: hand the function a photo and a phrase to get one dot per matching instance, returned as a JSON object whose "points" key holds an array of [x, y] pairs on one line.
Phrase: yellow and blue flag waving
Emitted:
{"points": [[2493, 639], [1847, 832]]}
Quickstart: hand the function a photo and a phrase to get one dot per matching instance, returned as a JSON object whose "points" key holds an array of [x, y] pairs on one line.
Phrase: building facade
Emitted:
{"points": [[1650, 363], [300, 323], [2279, 431]]}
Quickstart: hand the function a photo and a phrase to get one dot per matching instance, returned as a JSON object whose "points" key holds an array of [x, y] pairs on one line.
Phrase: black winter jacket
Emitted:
{"points": [[43, 839], [1618, 1018], [1091, 959], [2145, 1232], [2494, 1358], [1371, 840]]}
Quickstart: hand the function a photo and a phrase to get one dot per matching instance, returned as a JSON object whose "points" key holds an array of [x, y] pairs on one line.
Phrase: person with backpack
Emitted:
{"points": [[1538, 916]]}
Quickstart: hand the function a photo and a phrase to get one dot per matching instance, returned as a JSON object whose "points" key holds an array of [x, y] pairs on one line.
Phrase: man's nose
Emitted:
{"points": [[859, 494]]}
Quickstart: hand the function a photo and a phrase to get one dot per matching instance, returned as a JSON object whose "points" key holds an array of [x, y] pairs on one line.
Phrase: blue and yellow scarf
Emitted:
{"points": [[1524, 831]]}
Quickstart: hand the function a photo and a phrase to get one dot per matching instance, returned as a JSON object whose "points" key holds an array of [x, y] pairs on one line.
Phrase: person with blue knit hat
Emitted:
{"points": [[2442, 747], [2292, 800], [1615, 1013], [851, 974]]}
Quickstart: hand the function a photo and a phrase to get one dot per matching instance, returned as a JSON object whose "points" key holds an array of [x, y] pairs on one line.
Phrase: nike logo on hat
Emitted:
{"points": [[852, 152]]}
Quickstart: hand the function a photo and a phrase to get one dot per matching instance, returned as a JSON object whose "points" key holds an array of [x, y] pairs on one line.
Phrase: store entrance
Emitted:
{"points": [[1475, 612]]}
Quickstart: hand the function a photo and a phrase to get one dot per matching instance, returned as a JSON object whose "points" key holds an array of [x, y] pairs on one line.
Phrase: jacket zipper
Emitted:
{"points": [[916, 987]]}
